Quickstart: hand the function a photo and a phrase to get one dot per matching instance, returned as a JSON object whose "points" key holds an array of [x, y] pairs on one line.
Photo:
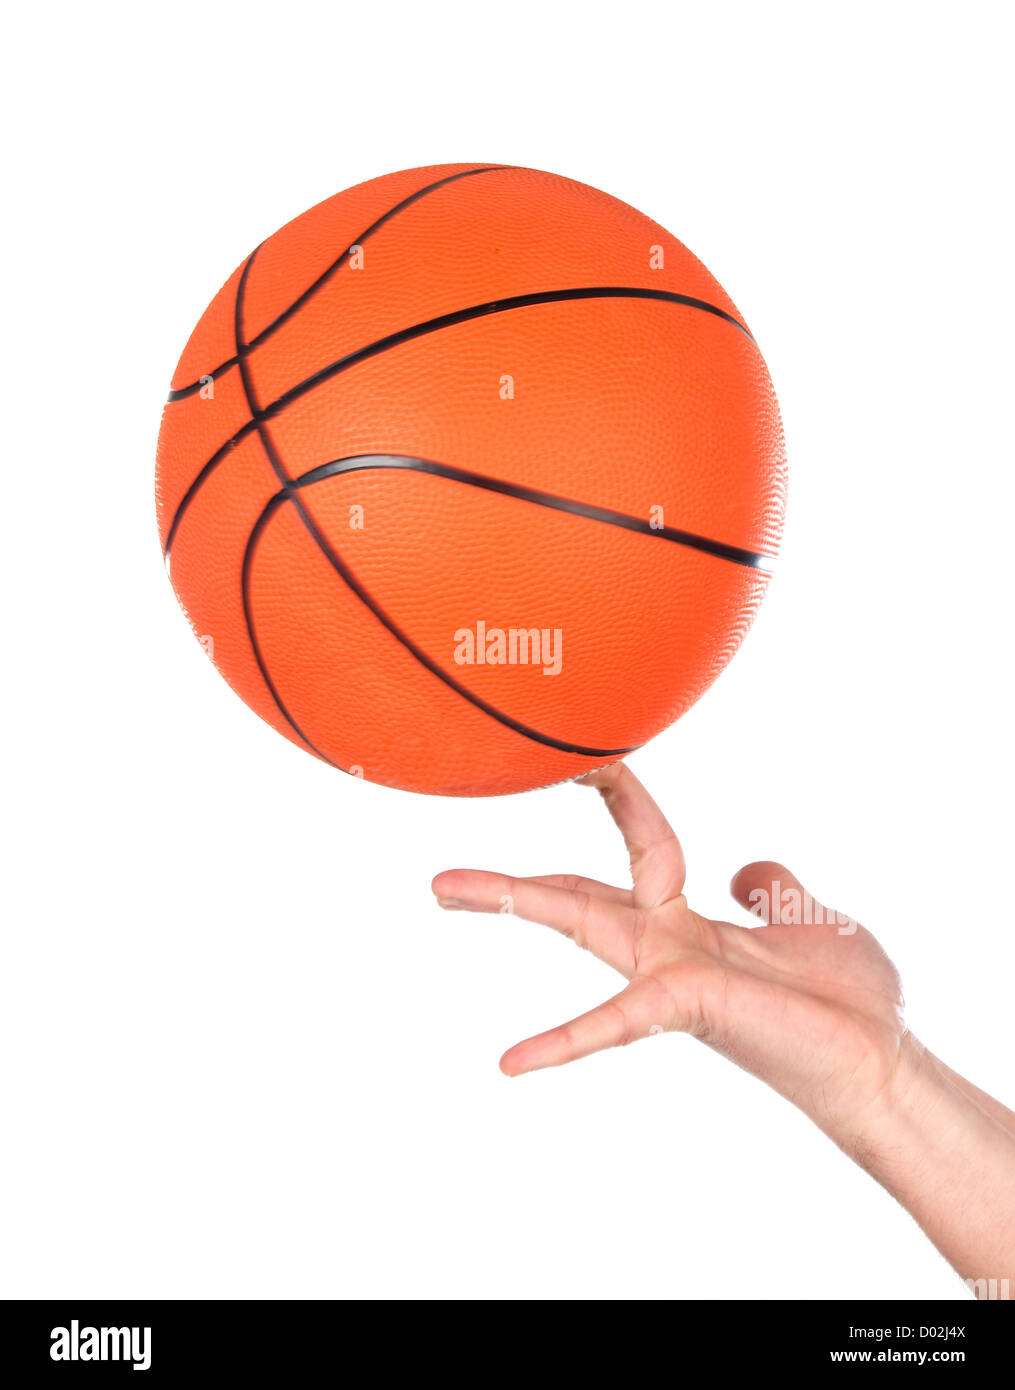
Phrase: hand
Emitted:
{"points": [[809, 1002], [813, 1007]]}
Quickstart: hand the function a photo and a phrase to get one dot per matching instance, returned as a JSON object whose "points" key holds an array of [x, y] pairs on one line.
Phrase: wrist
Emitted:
{"points": [[918, 1104], [947, 1153]]}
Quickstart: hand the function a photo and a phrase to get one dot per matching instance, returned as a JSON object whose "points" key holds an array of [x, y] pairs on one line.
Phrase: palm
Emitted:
{"points": [[812, 1005], [815, 1012]]}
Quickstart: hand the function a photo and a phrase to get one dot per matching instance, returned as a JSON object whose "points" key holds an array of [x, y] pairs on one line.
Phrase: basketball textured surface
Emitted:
{"points": [[470, 479]]}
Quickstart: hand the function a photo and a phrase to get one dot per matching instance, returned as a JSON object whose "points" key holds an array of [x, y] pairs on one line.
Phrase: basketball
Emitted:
{"points": [[470, 479]]}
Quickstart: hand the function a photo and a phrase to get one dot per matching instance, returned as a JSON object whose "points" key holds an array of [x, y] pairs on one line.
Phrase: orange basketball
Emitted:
{"points": [[470, 479]]}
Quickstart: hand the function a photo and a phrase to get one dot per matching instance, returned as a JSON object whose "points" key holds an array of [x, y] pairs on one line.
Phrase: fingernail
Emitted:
{"points": [[452, 904]]}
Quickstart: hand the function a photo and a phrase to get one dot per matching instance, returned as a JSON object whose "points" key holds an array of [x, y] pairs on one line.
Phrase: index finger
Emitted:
{"points": [[657, 860]]}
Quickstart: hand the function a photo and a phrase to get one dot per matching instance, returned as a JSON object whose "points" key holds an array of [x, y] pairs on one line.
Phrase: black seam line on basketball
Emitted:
{"points": [[418, 330], [267, 443], [752, 559], [195, 487], [182, 392], [248, 616], [346, 575], [247, 380], [493, 306]]}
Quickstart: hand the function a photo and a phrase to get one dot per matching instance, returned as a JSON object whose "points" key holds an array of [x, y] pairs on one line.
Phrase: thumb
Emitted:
{"points": [[773, 894]]}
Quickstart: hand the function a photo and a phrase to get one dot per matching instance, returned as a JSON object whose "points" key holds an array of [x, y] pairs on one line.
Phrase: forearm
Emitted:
{"points": [[994, 1108], [946, 1151]]}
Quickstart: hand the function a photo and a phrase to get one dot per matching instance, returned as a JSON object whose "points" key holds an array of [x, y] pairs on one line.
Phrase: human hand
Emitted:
{"points": [[809, 1002], [812, 1006]]}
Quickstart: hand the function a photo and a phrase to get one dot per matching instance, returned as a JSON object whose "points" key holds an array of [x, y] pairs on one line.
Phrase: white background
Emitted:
{"points": [[241, 1051]]}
